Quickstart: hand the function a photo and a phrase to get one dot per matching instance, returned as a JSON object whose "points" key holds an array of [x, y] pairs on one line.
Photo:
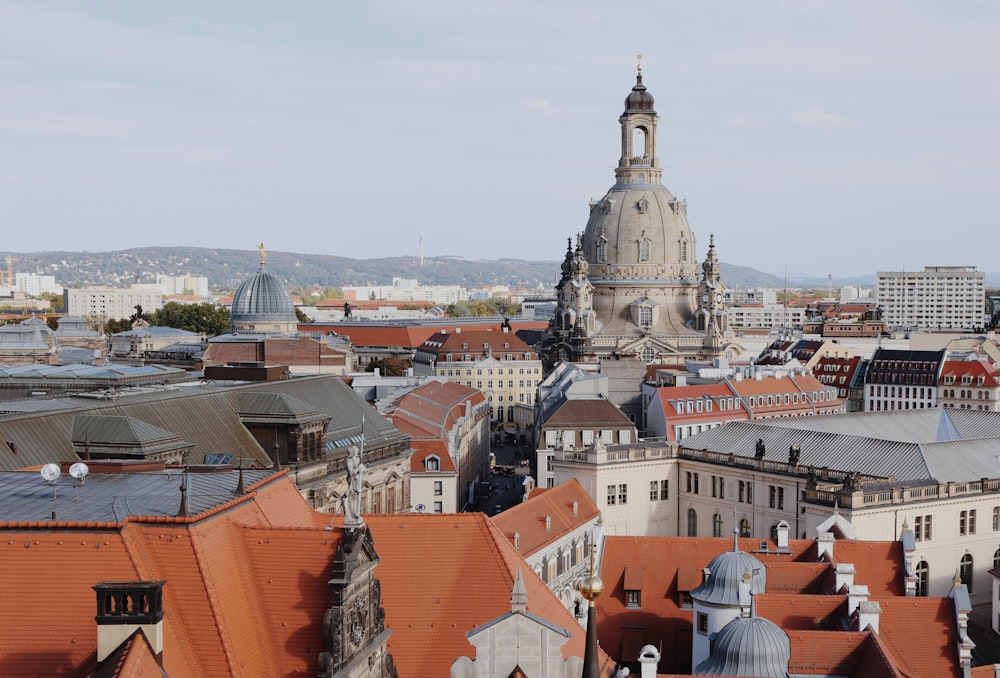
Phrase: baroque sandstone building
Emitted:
{"points": [[630, 288]]}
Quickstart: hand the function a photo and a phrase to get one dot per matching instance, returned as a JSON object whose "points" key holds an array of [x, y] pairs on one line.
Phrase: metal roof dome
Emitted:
{"points": [[749, 646], [262, 297], [639, 99], [726, 572]]}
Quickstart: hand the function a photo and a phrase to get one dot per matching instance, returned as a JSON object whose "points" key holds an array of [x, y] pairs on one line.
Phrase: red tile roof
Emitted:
{"points": [[265, 616], [462, 579], [527, 519]]}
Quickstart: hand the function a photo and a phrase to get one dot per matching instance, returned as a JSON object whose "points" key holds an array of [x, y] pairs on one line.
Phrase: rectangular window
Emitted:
{"points": [[654, 490], [623, 494], [438, 488], [438, 507], [690, 478], [612, 495], [927, 528], [664, 487], [702, 623], [772, 496], [962, 517], [996, 518], [631, 598], [715, 486], [781, 498], [972, 521], [743, 491]]}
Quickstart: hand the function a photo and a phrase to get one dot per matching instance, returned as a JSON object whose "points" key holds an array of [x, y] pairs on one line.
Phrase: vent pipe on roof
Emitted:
{"points": [[576, 508], [548, 523]]}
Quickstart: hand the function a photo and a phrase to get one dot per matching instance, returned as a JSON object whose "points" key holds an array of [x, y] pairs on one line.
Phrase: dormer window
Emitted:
{"points": [[432, 463]]}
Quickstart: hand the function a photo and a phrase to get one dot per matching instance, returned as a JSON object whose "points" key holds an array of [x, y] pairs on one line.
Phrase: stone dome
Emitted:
{"points": [[726, 572], [748, 646]]}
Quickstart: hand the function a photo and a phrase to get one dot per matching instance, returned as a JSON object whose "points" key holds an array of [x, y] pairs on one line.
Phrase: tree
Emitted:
{"points": [[115, 326], [303, 318], [388, 367], [209, 319]]}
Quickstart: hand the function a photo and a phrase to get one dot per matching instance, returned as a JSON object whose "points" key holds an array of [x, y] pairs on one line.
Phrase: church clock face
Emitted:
{"points": [[718, 297], [704, 297]]}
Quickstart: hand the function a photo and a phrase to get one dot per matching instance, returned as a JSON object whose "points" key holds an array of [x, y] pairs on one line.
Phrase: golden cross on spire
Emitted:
{"points": [[638, 58]]}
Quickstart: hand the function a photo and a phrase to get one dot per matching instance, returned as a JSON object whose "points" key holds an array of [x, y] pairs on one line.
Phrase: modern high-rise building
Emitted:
{"points": [[112, 303], [196, 285], [939, 297]]}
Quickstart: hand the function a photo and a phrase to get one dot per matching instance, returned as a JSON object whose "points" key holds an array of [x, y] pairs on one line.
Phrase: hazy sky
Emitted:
{"points": [[834, 136]]}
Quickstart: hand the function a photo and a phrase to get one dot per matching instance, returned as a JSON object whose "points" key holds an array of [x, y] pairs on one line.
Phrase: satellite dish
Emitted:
{"points": [[79, 470], [50, 472]]}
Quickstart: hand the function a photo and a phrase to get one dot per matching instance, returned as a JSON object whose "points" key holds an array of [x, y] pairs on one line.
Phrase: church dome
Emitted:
{"points": [[748, 646], [639, 99], [726, 571]]}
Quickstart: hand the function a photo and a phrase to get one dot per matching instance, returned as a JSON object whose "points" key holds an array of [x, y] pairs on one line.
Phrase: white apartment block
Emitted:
{"points": [[35, 285], [769, 316], [939, 297], [196, 285], [112, 303]]}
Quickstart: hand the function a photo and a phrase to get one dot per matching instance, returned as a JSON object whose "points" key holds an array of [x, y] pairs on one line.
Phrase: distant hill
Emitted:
{"points": [[226, 268]]}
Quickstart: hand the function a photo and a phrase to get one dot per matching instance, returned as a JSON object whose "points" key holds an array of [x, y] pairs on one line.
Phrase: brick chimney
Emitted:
{"points": [[124, 607]]}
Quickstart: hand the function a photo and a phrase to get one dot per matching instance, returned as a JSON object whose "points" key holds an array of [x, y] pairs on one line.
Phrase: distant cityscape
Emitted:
{"points": [[628, 461]]}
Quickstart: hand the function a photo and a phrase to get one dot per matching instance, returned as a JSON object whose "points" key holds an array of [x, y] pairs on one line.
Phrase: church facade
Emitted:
{"points": [[631, 286]]}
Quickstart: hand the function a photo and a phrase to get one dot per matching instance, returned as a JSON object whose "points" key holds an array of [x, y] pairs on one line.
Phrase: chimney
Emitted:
{"points": [[124, 607], [517, 540], [856, 594], [824, 544], [869, 612], [648, 660], [844, 576], [782, 536]]}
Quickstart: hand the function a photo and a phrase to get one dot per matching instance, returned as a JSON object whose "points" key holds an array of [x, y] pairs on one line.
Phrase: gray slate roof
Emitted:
{"points": [[205, 415], [909, 445], [25, 496]]}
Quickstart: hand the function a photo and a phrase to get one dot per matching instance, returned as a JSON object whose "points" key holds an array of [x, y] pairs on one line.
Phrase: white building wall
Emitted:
{"points": [[424, 492], [939, 297], [112, 302], [36, 285]]}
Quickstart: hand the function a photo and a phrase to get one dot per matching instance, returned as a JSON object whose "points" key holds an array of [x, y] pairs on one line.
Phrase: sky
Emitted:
{"points": [[836, 137]]}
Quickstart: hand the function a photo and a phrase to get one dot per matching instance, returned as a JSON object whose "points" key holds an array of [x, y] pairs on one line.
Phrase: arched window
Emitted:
{"points": [[510, 413], [965, 572], [432, 464], [692, 523], [717, 525], [996, 558], [744, 527], [644, 249], [500, 413], [602, 250], [684, 250], [922, 577]]}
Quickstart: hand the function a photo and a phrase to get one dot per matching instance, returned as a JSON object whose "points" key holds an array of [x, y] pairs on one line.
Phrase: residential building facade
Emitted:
{"points": [[939, 297], [496, 362]]}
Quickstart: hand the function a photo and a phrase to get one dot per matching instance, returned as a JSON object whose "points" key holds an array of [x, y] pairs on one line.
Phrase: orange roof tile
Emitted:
{"points": [[427, 585], [528, 518]]}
